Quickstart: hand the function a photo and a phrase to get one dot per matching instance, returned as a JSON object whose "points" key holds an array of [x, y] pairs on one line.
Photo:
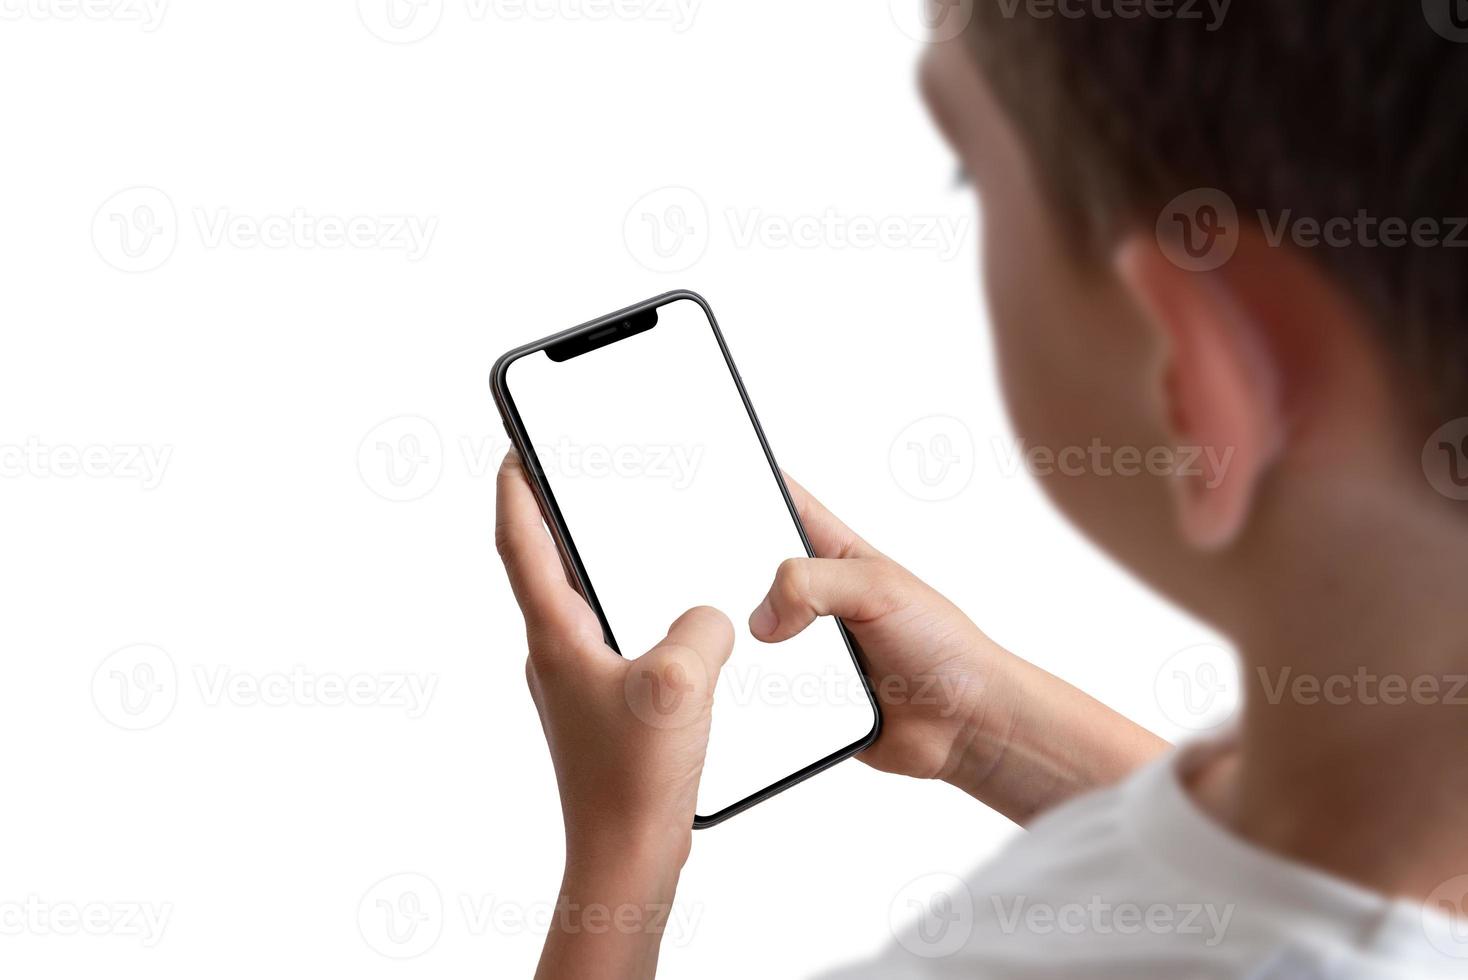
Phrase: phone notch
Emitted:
{"points": [[603, 335]]}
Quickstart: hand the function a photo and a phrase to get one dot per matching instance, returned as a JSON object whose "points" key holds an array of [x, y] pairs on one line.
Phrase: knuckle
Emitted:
{"points": [[545, 650], [586, 638], [792, 582], [541, 665], [887, 582], [711, 619], [504, 542], [680, 664], [883, 572]]}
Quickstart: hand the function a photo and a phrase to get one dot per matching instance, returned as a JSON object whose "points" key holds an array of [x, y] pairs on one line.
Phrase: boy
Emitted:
{"points": [[1232, 233]]}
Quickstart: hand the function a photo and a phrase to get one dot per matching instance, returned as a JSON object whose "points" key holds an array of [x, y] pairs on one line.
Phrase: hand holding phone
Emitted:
{"points": [[957, 706], [628, 789], [628, 774], [655, 479]]}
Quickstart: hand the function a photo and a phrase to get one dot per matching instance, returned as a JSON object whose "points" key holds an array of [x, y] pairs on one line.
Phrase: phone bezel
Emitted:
{"points": [[576, 571]]}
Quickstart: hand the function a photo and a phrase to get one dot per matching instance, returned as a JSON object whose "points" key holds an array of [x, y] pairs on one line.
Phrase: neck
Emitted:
{"points": [[1352, 749]]}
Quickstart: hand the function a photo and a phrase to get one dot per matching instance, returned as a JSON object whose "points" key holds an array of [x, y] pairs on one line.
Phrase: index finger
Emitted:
{"points": [[531, 559], [828, 536]]}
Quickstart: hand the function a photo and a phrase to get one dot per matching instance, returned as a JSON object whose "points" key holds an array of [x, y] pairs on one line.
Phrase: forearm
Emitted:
{"points": [[611, 914], [1033, 741]]}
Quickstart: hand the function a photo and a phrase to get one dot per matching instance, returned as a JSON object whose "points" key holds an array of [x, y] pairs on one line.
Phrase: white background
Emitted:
{"points": [[324, 518]]}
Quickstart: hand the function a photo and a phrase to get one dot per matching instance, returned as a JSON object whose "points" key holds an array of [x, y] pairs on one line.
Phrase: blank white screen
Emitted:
{"points": [[671, 503]]}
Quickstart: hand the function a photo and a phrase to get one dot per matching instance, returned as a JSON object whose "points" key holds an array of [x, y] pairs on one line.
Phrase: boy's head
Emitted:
{"points": [[1238, 230]]}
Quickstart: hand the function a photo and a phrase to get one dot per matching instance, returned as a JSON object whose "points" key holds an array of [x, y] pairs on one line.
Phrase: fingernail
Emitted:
{"points": [[762, 621]]}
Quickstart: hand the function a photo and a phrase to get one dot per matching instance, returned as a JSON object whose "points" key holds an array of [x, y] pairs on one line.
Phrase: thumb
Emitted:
{"points": [[855, 589], [703, 632], [672, 685]]}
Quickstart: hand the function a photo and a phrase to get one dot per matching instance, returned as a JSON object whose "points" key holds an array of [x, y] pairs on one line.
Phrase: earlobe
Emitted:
{"points": [[1218, 393]]}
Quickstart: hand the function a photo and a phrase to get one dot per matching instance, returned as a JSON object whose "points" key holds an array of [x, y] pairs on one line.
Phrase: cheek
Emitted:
{"points": [[1078, 366], [1046, 335]]}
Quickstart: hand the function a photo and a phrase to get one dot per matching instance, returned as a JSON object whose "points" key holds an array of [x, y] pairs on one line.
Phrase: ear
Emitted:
{"points": [[1220, 390]]}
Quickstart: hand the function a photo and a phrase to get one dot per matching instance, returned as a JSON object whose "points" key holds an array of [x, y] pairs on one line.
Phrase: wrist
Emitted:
{"points": [[629, 883], [642, 852], [615, 902], [979, 733], [1035, 741]]}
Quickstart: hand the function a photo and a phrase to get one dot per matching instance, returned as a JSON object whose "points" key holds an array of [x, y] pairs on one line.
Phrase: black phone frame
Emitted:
{"points": [[576, 572]]}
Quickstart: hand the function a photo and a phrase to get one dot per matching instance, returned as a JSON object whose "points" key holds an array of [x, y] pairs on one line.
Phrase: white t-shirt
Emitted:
{"points": [[1137, 882]]}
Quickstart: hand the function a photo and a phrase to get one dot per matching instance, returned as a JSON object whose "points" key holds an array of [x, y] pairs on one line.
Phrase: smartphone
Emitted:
{"points": [[659, 488]]}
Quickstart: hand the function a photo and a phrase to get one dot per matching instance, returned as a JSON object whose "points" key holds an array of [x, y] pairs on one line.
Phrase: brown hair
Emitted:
{"points": [[1315, 109]]}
